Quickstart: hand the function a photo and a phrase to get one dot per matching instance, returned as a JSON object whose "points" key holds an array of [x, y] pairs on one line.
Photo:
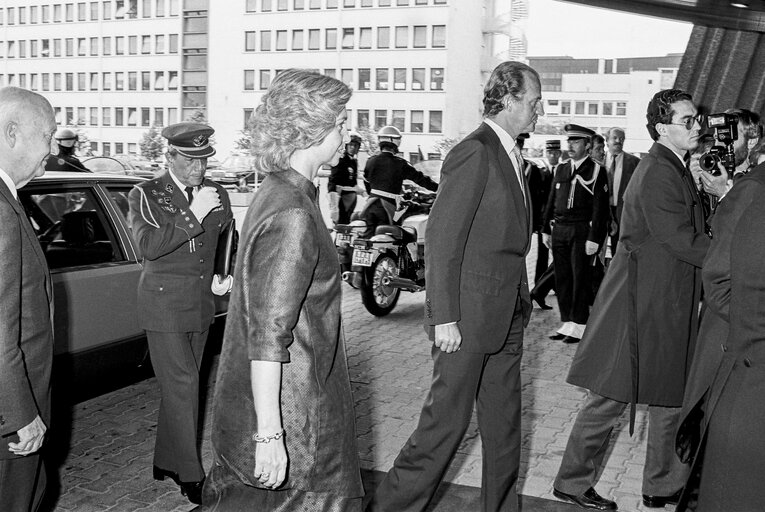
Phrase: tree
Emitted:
{"points": [[368, 140], [445, 145], [83, 141], [151, 144]]}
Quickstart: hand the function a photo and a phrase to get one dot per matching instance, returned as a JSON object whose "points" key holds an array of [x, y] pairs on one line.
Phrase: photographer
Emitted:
{"points": [[748, 128]]}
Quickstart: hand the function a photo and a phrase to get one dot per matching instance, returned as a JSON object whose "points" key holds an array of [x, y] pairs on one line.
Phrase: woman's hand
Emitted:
{"points": [[271, 463]]}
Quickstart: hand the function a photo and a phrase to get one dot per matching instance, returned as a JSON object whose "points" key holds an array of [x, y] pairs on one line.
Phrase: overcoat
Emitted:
{"points": [[639, 340], [730, 348], [479, 271], [285, 307], [174, 292]]}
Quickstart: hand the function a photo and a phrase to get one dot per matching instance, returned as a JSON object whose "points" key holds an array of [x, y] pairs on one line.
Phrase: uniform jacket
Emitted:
{"points": [[629, 164], [69, 163], [733, 323], [539, 180], [344, 174], [647, 305], [590, 203], [26, 316], [174, 292], [479, 233], [285, 307], [387, 172]]}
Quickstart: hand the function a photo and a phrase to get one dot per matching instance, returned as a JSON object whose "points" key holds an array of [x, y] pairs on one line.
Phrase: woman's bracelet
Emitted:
{"points": [[260, 438]]}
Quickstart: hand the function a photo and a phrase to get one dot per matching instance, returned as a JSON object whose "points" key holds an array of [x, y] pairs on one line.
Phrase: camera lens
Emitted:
{"points": [[708, 162]]}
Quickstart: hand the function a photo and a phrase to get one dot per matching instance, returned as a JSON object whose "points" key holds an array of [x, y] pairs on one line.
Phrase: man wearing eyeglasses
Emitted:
{"points": [[642, 331]]}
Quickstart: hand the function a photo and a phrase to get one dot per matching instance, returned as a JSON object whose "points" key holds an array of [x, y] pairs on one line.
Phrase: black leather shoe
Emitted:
{"points": [[192, 490], [659, 501], [570, 339], [589, 499], [540, 302], [557, 336]]}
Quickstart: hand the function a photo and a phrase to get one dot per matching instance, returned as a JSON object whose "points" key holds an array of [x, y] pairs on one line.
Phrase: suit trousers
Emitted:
{"points": [[176, 358], [573, 285], [543, 255], [493, 382], [663, 473], [544, 283], [22, 483]]}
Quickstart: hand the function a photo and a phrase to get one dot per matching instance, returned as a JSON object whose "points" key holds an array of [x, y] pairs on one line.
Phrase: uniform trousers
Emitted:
{"points": [[176, 358], [22, 482], [345, 207], [543, 255], [663, 473], [573, 285], [460, 379]]}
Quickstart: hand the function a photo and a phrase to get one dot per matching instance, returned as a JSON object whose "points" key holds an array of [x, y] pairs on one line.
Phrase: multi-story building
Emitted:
{"points": [[118, 67]]}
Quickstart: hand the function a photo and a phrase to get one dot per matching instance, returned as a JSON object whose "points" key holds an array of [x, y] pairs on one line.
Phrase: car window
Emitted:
{"points": [[119, 195], [71, 227]]}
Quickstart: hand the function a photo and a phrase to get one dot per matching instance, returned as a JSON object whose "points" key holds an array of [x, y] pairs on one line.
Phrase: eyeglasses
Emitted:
{"points": [[698, 118]]}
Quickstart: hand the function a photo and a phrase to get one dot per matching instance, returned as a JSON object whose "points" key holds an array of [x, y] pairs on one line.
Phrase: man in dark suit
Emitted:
{"points": [[640, 338], [27, 125], [176, 220], [477, 304], [575, 225], [620, 167]]}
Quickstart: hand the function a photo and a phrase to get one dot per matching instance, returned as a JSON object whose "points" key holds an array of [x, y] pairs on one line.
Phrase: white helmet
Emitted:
{"points": [[65, 137], [389, 134]]}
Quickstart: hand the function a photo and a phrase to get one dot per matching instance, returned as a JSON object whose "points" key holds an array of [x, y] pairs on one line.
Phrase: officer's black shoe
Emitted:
{"points": [[557, 336], [540, 302], [192, 490], [589, 499], [570, 340], [660, 501]]}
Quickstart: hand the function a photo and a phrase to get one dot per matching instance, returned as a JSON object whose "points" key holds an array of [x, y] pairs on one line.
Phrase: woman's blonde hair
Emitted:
{"points": [[297, 112]]}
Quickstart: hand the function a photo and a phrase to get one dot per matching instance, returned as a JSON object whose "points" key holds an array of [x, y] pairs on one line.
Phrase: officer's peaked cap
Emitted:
{"points": [[552, 144], [191, 140], [574, 131]]}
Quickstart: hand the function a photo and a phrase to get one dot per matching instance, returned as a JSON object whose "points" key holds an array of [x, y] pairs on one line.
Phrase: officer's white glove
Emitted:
{"points": [[547, 240], [334, 210], [590, 248], [361, 190], [221, 286], [206, 200]]}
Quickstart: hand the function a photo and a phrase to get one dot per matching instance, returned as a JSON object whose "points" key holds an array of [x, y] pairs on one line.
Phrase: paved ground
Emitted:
{"points": [[108, 462]]}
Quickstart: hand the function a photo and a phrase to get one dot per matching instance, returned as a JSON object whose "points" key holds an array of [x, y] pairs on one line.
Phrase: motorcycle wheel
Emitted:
{"points": [[378, 299]]}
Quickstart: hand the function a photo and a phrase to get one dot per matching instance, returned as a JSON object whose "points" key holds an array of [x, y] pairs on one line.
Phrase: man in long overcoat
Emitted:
{"points": [[638, 345]]}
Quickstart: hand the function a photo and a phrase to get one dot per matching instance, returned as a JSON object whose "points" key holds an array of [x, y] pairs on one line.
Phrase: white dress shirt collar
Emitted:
{"points": [[9, 182]]}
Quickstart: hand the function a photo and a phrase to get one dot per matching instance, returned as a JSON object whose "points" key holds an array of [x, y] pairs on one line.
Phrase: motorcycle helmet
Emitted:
{"points": [[65, 137], [355, 139], [389, 135]]}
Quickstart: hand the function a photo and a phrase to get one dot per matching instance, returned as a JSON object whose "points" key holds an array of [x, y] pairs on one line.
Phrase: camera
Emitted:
{"points": [[726, 132]]}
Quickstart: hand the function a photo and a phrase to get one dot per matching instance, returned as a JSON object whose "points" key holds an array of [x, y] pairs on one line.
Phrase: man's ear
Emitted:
{"points": [[11, 133], [661, 129]]}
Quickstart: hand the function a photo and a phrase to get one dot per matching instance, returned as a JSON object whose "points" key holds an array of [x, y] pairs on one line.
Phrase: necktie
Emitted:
{"points": [[189, 193], [518, 164], [613, 182]]}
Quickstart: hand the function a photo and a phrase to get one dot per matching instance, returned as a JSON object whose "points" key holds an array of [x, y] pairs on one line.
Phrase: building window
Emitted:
{"points": [[106, 82], [314, 4], [33, 14], [402, 3], [398, 119], [436, 79], [439, 36], [159, 9], [299, 5], [119, 45], [56, 81], [349, 4], [247, 117], [297, 40], [417, 121], [82, 80], [418, 79], [402, 37], [145, 80], [346, 76], [159, 116], [93, 11], [159, 43], [383, 3], [94, 81], [146, 9], [93, 46], [382, 79], [281, 40], [249, 41], [365, 37], [399, 79], [565, 107], [172, 116], [383, 37], [381, 118], [82, 11], [132, 81], [348, 34], [106, 11], [119, 81], [251, 6], [46, 13], [119, 116], [364, 79], [172, 80], [367, 3], [70, 12], [265, 79], [145, 116], [331, 39], [145, 44], [314, 36], [608, 108], [33, 81], [70, 47], [420, 36], [69, 81], [249, 79], [82, 47], [281, 5], [93, 116], [133, 45], [331, 4], [173, 43], [362, 118], [159, 80], [46, 81], [265, 40], [435, 121], [592, 109], [579, 108], [621, 108], [132, 116], [265, 6], [81, 113]]}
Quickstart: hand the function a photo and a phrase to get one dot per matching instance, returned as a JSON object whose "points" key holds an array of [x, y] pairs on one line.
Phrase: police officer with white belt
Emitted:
{"points": [[383, 175], [342, 184]]}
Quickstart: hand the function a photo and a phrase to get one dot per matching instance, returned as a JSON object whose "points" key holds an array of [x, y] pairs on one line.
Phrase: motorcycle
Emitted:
{"points": [[393, 258]]}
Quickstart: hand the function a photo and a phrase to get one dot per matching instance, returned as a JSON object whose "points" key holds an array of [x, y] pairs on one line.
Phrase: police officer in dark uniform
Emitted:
{"points": [[342, 185], [383, 175], [65, 160], [577, 216], [176, 219]]}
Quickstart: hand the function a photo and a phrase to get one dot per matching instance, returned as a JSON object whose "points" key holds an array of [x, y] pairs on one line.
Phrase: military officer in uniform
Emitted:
{"points": [[176, 220], [342, 185], [383, 176], [576, 218]]}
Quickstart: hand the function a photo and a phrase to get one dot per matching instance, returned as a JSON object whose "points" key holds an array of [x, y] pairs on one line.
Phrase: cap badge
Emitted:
{"points": [[200, 140]]}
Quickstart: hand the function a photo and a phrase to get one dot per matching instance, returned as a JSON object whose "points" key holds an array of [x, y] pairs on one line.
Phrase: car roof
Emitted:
{"points": [[82, 177]]}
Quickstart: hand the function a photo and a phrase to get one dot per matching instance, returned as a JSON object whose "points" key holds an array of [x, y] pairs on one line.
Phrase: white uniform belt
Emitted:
{"points": [[343, 188], [383, 193]]}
